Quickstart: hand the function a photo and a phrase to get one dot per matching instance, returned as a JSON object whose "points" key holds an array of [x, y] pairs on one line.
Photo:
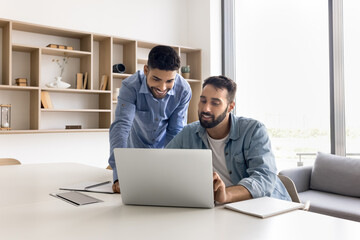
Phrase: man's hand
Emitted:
{"points": [[223, 194], [116, 187], [219, 189]]}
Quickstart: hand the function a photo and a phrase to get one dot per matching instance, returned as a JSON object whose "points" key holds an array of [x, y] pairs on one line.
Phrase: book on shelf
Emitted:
{"points": [[85, 80], [21, 80], [59, 46], [72, 126], [52, 46], [79, 80], [103, 82], [46, 100]]}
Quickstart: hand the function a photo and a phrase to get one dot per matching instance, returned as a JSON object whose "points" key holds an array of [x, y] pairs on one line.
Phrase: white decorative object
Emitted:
{"points": [[116, 94], [5, 113], [58, 83]]}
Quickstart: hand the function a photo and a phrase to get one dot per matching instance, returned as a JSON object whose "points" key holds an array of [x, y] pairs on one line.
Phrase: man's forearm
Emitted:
{"points": [[237, 193]]}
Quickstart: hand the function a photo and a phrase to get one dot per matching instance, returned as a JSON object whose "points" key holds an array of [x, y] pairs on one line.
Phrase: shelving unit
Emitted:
{"points": [[23, 54]]}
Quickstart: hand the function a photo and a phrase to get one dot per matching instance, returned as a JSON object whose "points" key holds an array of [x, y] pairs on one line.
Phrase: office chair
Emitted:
{"points": [[291, 188], [9, 161]]}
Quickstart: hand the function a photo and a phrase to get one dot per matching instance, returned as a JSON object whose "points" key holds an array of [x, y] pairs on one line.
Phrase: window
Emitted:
{"points": [[282, 72], [351, 10]]}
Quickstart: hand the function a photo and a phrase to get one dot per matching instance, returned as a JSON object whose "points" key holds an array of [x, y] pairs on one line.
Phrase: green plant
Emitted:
{"points": [[185, 69]]}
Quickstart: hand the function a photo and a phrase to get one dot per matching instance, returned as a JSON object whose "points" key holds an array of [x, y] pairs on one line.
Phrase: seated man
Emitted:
{"points": [[152, 106], [243, 162]]}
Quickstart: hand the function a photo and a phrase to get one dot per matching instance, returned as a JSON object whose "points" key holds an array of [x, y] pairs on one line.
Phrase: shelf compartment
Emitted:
{"points": [[24, 106], [124, 52], [5, 50], [42, 36], [195, 98], [71, 100], [102, 64], [25, 64], [89, 119], [78, 63], [191, 57]]}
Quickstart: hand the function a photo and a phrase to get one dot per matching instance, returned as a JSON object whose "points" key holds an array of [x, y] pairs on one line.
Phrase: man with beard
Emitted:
{"points": [[243, 162], [152, 106]]}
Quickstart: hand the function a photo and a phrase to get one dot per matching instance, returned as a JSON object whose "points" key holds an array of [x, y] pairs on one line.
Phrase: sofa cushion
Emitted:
{"points": [[336, 174], [332, 204]]}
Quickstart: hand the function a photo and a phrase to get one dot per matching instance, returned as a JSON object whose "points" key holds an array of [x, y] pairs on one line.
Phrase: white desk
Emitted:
{"points": [[28, 212]]}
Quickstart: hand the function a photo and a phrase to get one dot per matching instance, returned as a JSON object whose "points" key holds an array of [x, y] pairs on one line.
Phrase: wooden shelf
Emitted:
{"points": [[18, 88], [71, 90], [121, 75], [94, 109], [64, 52], [193, 80], [77, 110], [142, 61], [54, 131], [24, 48]]}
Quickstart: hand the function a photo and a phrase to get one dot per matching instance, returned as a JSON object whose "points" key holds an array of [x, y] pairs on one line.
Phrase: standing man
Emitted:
{"points": [[243, 162], [152, 106]]}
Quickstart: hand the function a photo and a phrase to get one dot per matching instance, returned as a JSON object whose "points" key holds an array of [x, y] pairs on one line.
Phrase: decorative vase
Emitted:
{"points": [[58, 83]]}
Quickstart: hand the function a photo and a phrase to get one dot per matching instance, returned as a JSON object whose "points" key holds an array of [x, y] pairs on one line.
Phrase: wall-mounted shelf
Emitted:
{"points": [[24, 54]]}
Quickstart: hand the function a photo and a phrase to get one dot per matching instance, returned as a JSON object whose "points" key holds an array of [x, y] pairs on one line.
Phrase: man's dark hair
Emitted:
{"points": [[164, 58], [222, 82]]}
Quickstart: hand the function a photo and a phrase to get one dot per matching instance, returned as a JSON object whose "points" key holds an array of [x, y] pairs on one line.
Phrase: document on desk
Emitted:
{"points": [[91, 186], [264, 207], [76, 198]]}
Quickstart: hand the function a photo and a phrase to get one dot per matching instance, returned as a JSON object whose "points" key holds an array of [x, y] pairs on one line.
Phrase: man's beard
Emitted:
{"points": [[214, 122]]}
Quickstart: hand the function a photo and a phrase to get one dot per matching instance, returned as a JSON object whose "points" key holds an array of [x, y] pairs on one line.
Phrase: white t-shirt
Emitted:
{"points": [[218, 156]]}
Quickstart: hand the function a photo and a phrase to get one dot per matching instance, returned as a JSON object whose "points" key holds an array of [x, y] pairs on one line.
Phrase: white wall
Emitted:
{"points": [[192, 23]]}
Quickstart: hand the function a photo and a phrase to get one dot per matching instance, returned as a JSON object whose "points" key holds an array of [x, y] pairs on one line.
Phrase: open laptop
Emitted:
{"points": [[165, 177]]}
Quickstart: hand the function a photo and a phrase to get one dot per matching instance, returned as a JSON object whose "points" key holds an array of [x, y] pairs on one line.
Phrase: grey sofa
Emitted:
{"points": [[332, 185]]}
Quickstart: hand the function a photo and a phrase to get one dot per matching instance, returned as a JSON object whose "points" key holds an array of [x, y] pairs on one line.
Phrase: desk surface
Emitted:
{"points": [[28, 212]]}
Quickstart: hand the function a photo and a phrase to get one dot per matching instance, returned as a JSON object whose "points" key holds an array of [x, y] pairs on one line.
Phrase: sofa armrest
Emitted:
{"points": [[300, 176]]}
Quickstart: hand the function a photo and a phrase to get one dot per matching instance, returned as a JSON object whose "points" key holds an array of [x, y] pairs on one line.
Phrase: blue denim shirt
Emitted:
{"points": [[248, 155], [142, 121]]}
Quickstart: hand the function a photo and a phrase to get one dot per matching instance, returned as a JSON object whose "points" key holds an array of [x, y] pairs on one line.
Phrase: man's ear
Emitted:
{"points": [[231, 106], [146, 69]]}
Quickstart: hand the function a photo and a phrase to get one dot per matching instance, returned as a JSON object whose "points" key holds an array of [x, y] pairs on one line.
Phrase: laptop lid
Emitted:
{"points": [[165, 177]]}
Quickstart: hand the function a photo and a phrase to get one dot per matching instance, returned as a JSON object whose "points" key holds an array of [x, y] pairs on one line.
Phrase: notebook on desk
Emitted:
{"points": [[264, 207], [165, 177]]}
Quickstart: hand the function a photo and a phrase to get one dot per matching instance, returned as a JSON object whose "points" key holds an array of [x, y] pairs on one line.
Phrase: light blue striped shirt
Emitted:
{"points": [[142, 121]]}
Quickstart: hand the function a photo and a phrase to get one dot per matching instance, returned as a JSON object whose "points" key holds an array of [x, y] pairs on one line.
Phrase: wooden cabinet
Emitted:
{"points": [[23, 54]]}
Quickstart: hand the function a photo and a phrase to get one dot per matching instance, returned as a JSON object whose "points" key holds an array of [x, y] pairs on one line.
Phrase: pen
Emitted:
{"points": [[97, 185]]}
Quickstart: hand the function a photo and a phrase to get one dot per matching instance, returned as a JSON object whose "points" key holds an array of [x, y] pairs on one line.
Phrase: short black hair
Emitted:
{"points": [[163, 58], [222, 82]]}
